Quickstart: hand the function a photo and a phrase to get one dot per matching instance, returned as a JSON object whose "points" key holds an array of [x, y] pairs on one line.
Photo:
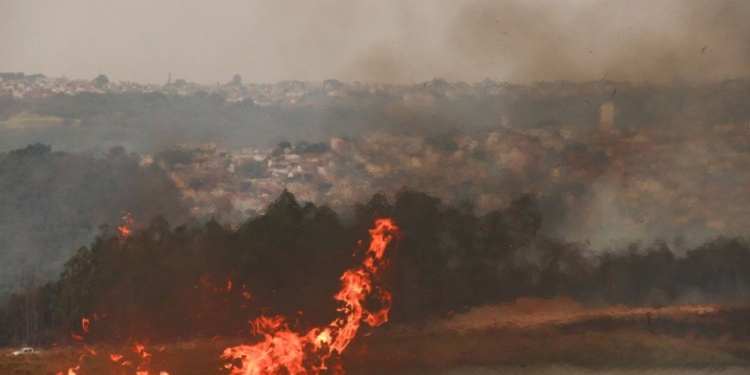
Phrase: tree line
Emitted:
{"points": [[53, 201], [202, 280]]}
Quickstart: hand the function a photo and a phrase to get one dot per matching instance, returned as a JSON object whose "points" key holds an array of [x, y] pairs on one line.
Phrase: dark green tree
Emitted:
{"points": [[101, 80]]}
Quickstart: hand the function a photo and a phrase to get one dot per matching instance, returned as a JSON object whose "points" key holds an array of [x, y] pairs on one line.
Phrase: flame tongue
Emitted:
{"points": [[295, 354], [125, 229]]}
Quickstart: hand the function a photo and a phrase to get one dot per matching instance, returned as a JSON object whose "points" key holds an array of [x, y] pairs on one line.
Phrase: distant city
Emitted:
{"points": [[602, 160]]}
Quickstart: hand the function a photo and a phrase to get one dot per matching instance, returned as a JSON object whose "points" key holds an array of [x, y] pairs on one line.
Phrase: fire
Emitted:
{"points": [[124, 230], [284, 351], [145, 361], [142, 357]]}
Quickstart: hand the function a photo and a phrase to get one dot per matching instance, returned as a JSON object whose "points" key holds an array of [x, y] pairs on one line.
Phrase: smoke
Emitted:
{"points": [[602, 221], [582, 40], [379, 41], [55, 202]]}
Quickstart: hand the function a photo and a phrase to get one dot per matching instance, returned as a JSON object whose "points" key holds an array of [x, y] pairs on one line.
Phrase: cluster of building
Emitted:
{"points": [[287, 93], [21, 86], [605, 183], [236, 184], [605, 180]]}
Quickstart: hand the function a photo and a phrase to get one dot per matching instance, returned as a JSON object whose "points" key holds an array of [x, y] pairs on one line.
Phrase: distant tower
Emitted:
{"points": [[169, 79]]}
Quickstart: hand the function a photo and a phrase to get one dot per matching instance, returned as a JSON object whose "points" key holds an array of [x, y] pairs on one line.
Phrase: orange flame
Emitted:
{"points": [[284, 351], [143, 361], [124, 230], [71, 371], [140, 349]]}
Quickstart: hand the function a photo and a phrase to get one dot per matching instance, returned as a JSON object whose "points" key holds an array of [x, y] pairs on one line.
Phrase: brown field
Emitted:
{"points": [[530, 336]]}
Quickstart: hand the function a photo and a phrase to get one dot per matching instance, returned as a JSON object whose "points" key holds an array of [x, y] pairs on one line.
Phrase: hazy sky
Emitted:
{"points": [[377, 40]]}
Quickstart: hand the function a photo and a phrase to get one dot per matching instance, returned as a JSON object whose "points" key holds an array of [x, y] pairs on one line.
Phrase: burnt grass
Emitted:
{"points": [[711, 340], [727, 323]]}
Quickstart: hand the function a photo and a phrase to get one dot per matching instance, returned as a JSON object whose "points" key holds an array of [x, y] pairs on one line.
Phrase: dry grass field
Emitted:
{"points": [[28, 120], [529, 336]]}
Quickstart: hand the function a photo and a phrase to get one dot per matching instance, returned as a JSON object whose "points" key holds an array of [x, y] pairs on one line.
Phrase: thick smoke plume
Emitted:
{"points": [[581, 40], [380, 41]]}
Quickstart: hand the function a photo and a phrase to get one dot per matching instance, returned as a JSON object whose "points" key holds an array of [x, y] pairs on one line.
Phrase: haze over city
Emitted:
{"points": [[377, 41]]}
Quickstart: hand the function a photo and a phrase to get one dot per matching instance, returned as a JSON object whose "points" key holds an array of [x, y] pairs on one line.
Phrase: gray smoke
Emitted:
{"points": [[381, 41]]}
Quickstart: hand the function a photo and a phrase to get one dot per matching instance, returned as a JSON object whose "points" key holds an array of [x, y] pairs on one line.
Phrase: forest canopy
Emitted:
{"points": [[54, 201], [208, 279]]}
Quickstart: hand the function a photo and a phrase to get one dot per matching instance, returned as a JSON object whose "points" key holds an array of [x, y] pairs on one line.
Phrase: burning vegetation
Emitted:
{"points": [[282, 350], [518, 205], [204, 281], [588, 208]]}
